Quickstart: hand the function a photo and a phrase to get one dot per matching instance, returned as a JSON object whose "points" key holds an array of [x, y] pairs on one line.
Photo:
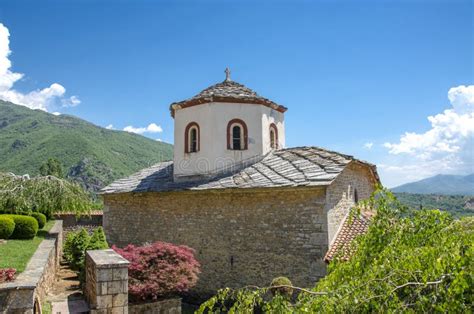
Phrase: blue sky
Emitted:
{"points": [[352, 73]]}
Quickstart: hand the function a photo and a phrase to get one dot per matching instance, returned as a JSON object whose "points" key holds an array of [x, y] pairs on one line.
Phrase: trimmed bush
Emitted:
{"points": [[7, 226], [159, 270], [286, 292], [40, 218], [26, 227]]}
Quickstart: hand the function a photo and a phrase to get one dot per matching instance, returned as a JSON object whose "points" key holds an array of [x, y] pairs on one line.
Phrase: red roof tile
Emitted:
{"points": [[354, 225]]}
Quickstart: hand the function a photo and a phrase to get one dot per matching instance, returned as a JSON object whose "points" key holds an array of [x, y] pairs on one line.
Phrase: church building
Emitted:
{"points": [[251, 208]]}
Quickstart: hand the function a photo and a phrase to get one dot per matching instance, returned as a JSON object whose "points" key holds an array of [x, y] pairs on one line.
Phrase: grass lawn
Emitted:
{"points": [[17, 253]]}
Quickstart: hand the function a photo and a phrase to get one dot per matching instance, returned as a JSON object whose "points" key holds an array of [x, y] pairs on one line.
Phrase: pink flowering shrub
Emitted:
{"points": [[7, 274], [159, 269]]}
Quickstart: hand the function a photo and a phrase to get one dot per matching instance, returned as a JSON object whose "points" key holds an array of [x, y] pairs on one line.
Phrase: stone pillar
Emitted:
{"points": [[106, 287]]}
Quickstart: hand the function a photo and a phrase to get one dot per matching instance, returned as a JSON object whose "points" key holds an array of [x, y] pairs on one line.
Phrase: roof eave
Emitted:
{"points": [[199, 101]]}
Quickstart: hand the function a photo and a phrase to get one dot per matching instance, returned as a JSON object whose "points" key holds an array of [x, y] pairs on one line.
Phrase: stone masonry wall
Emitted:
{"points": [[340, 196], [241, 237], [30, 287], [106, 287]]}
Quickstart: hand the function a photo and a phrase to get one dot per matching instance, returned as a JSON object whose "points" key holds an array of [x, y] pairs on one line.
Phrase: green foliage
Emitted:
{"points": [[40, 218], [52, 167], [17, 253], [75, 248], [409, 261], [457, 205], [77, 243], [26, 227], [282, 286], [7, 225], [98, 240], [90, 155], [46, 195]]}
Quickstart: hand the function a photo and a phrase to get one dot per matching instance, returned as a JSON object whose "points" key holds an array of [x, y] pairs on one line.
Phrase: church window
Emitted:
{"points": [[356, 196], [192, 138], [273, 136], [237, 135]]}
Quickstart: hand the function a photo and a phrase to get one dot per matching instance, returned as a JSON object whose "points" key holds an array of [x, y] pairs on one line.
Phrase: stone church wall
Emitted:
{"points": [[341, 196], [240, 237]]}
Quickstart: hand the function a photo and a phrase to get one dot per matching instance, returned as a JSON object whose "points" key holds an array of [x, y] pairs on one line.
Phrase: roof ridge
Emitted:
{"points": [[297, 166]]}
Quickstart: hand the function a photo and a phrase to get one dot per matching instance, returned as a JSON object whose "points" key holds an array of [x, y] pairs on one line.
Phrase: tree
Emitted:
{"points": [[409, 261], [47, 195], [52, 167]]}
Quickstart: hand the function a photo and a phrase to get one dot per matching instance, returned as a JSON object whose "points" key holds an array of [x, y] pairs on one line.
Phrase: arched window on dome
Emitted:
{"points": [[273, 136], [237, 135], [192, 138]]}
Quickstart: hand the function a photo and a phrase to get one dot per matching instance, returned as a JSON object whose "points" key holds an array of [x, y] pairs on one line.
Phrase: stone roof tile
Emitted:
{"points": [[226, 91], [298, 166]]}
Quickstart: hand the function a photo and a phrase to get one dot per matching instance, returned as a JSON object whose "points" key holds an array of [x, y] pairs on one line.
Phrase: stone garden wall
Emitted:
{"points": [[72, 220], [241, 237], [31, 286]]}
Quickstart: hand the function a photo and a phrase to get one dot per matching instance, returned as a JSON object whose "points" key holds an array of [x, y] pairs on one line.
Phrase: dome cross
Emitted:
{"points": [[227, 75]]}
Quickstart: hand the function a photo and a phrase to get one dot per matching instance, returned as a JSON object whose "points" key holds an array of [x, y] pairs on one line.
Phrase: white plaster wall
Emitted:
{"points": [[213, 119], [270, 116]]}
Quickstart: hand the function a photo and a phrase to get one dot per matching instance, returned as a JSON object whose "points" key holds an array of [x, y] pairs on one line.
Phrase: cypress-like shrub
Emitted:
{"points": [[75, 248], [7, 226], [98, 241], [26, 227]]}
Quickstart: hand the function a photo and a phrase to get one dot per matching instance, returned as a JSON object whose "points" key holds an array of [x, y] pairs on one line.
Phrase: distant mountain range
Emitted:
{"points": [[440, 184], [90, 155]]}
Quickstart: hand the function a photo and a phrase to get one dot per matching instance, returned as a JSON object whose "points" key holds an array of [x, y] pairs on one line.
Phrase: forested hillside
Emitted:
{"points": [[90, 155], [457, 205]]}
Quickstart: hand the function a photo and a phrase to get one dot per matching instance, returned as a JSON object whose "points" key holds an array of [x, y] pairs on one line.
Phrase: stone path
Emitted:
{"points": [[66, 295]]}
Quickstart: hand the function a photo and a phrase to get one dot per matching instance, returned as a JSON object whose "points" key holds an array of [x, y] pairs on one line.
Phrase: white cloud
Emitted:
{"points": [[159, 140], [72, 101], [56, 113], [151, 128], [110, 127], [447, 147], [368, 145], [37, 99]]}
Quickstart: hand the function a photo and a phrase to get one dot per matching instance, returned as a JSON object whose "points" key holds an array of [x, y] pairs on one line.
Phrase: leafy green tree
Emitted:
{"points": [[52, 167], [46, 195], [409, 261]]}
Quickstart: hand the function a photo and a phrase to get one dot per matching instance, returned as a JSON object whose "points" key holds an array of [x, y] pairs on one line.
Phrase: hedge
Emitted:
{"points": [[7, 225], [26, 227], [41, 218]]}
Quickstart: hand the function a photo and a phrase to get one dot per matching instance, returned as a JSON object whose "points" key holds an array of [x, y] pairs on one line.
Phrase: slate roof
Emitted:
{"points": [[353, 226], [290, 167], [227, 91]]}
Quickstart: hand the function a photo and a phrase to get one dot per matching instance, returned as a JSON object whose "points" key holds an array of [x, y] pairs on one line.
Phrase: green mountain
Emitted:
{"points": [[458, 205], [440, 184], [91, 155]]}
